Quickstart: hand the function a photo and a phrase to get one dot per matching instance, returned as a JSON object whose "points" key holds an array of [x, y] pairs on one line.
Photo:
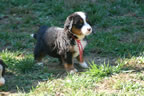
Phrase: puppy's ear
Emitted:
{"points": [[68, 23]]}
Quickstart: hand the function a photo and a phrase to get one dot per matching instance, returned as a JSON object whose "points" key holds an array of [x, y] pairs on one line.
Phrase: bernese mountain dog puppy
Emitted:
{"points": [[64, 43], [2, 72]]}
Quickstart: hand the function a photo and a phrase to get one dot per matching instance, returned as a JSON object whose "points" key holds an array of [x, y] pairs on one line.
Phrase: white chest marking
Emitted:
{"points": [[76, 49]]}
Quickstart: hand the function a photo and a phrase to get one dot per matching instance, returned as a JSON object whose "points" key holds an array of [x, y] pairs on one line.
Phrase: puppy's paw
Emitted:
{"points": [[84, 65], [40, 64], [73, 71]]}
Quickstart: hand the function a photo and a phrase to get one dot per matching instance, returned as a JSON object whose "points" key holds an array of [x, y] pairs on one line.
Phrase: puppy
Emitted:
{"points": [[2, 72], [64, 43]]}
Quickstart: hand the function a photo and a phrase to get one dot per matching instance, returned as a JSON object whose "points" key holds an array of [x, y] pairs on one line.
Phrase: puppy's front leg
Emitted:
{"points": [[82, 62], [68, 63]]}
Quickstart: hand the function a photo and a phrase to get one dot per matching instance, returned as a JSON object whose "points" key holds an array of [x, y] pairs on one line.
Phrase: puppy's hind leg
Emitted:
{"points": [[38, 55]]}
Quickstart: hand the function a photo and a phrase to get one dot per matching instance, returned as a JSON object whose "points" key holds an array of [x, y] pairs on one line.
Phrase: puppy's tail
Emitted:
{"points": [[40, 32], [34, 35]]}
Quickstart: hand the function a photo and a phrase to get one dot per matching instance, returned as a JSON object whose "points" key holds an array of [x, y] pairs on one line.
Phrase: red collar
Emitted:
{"points": [[80, 47]]}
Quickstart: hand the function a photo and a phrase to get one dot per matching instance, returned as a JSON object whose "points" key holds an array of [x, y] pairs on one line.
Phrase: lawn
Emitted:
{"points": [[115, 50]]}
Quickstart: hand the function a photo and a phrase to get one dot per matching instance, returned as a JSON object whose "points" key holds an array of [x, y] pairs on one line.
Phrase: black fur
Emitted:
{"points": [[41, 31], [52, 41]]}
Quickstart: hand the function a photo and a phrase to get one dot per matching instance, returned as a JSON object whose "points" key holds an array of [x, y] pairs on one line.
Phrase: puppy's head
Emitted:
{"points": [[78, 24], [2, 71]]}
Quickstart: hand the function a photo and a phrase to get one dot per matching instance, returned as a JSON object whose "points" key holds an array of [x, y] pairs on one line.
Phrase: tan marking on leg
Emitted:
{"points": [[72, 49], [39, 57], [68, 67]]}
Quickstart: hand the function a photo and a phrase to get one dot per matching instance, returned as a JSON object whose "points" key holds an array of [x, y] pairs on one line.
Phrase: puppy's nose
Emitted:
{"points": [[89, 29]]}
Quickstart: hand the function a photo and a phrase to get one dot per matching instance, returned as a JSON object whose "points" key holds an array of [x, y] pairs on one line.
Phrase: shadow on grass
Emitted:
{"points": [[23, 74]]}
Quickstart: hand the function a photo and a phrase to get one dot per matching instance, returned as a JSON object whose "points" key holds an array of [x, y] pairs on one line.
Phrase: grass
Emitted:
{"points": [[118, 36], [18, 61], [103, 70], [78, 84]]}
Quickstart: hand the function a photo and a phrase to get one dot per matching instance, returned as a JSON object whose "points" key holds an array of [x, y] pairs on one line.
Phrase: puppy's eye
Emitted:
{"points": [[80, 23]]}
